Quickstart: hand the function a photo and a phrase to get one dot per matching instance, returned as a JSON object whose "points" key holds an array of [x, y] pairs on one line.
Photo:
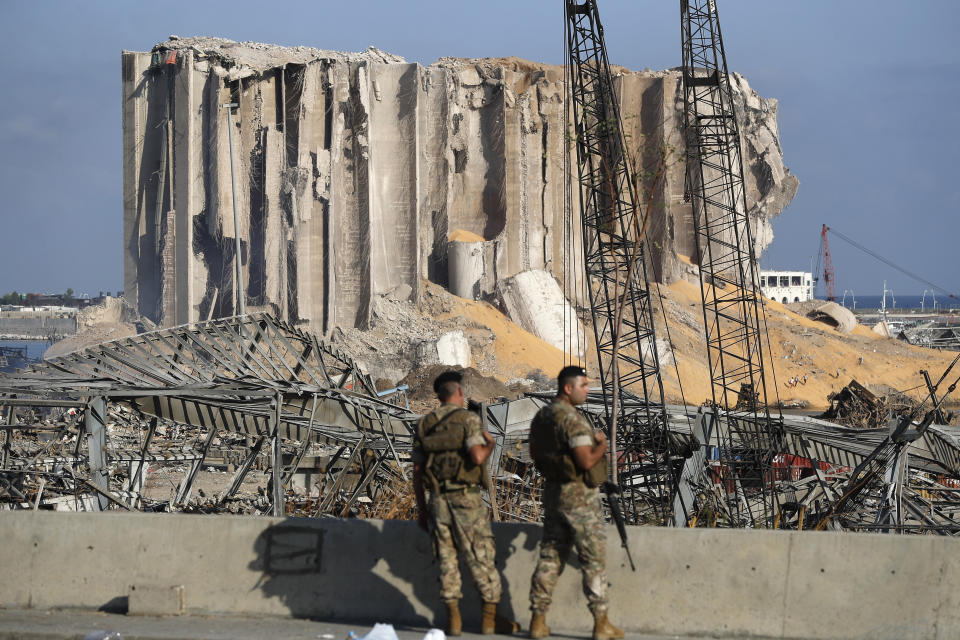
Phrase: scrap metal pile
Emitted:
{"points": [[83, 431], [903, 476]]}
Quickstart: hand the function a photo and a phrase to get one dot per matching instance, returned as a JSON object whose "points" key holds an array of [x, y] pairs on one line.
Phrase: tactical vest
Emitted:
{"points": [[554, 458], [447, 466]]}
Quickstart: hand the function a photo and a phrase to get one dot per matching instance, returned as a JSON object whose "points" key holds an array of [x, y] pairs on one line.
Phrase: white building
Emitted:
{"points": [[787, 286]]}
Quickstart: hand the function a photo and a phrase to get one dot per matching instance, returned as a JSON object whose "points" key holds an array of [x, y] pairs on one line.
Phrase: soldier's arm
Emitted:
{"points": [[586, 455], [479, 442], [480, 452]]}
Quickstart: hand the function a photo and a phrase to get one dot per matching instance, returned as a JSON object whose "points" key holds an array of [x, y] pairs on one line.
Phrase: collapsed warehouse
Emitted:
{"points": [[83, 431]]}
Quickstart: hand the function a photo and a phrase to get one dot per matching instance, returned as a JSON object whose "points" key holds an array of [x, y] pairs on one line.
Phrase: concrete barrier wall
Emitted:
{"points": [[38, 326], [688, 581]]}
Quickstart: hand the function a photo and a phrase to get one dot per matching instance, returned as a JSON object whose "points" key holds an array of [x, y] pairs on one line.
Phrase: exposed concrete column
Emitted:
{"points": [[350, 196], [433, 173], [393, 99], [134, 125], [313, 164], [95, 425], [186, 167], [465, 268]]}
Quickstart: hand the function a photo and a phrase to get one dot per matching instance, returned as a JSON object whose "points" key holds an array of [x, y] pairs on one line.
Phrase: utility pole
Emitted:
{"points": [[241, 306]]}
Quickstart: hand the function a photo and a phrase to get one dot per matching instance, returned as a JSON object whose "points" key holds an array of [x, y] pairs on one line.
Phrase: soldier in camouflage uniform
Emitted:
{"points": [[571, 458], [449, 452]]}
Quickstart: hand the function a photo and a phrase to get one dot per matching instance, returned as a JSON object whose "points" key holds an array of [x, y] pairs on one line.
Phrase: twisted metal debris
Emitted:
{"points": [[83, 431], [274, 391]]}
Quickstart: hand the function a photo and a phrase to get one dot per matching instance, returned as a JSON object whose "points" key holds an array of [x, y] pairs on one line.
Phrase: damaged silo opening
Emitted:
{"points": [[354, 170]]}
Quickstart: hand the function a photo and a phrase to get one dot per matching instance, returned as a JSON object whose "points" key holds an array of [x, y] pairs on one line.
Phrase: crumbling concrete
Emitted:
{"points": [[353, 169], [835, 315], [533, 300]]}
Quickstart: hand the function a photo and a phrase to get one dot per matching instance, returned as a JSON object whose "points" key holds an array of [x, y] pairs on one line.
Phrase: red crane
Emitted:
{"points": [[829, 278]]}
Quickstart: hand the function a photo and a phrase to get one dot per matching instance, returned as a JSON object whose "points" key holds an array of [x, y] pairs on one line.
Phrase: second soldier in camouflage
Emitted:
{"points": [[571, 458]]}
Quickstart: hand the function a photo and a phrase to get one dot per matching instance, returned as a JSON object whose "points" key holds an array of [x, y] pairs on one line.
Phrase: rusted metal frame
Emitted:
{"points": [[331, 497], [244, 354], [6, 485], [220, 355], [8, 437], [234, 360], [243, 469], [298, 458], [183, 492], [253, 342], [362, 484], [277, 502], [301, 357], [185, 342], [146, 369], [155, 353], [201, 366], [136, 477], [320, 357], [95, 425]]}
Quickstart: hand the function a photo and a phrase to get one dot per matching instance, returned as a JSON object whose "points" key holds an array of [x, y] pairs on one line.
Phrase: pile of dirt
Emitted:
{"points": [[402, 338], [810, 360], [476, 386], [112, 319]]}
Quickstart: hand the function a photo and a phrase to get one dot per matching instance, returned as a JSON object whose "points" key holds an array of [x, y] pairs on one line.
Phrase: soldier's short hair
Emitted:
{"points": [[569, 374], [445, 384]]}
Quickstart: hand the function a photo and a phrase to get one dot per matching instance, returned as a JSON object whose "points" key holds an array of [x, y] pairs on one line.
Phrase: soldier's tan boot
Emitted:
{"points": [[538, 625], [602, 629], [454, 624], [492, 622]]}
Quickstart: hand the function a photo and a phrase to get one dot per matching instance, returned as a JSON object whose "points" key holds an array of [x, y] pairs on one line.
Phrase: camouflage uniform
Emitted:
{"points": [[459, 520], [572, 518]]}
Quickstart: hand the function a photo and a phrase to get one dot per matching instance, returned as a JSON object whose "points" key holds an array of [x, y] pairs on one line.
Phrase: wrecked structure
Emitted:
{"points": [[83, 431], [353, 171]]}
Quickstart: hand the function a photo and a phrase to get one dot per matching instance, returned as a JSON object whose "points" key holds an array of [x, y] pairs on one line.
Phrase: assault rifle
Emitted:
{"points": [[612, 491]]}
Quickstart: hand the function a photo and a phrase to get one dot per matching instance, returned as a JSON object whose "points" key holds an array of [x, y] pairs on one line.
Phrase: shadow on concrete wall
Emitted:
{"points": [[371, 571]]}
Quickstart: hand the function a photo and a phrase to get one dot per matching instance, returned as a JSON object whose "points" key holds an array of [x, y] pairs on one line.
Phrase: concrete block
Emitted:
{"points": [[534, 300], [698, 582], [864, 586], [664, 352], [150, 600], [454, 349]]}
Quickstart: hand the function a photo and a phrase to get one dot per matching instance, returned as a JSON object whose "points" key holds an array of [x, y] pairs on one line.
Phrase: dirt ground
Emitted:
{"points": [[810, 359], [820, 359]]}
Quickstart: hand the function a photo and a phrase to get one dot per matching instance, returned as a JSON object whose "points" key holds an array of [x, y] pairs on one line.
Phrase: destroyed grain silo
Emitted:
{"points": [[354, 169]]}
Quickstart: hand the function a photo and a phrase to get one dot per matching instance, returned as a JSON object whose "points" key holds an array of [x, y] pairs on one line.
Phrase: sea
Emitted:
{"points": [[905, 302], [35, 348]]}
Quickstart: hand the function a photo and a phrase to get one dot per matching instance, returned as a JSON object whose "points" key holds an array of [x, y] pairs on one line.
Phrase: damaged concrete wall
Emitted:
{"points": [[354, 169]]}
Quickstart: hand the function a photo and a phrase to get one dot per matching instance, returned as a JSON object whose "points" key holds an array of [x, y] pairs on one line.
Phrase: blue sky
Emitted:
{"points": [[868, 95]]}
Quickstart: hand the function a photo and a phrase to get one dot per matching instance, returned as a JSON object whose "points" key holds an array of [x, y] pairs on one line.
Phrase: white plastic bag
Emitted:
{"points": [[381, 631]]}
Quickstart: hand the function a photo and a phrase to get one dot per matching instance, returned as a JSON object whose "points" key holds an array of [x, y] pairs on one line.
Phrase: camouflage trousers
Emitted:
{"points": [[460, 523], [572, 519]]}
